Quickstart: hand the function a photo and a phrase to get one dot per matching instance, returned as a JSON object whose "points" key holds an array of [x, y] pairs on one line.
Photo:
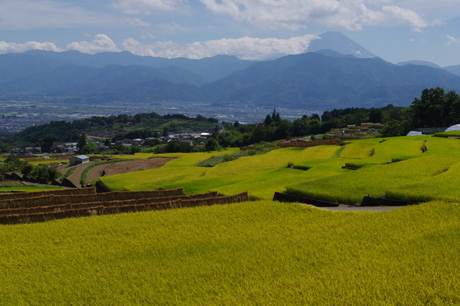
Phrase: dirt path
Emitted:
{"points": [[75, 176], [95, 172], [114, 168]]}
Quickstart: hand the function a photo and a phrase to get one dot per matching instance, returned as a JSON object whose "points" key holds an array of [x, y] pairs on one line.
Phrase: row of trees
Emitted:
{"points": [[144, 126], [42, 174], [434, 108], [274, 127]]}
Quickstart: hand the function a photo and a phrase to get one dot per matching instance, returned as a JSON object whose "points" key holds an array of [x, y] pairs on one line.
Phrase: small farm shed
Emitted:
{"points": [[77, 160], [426, 131]]}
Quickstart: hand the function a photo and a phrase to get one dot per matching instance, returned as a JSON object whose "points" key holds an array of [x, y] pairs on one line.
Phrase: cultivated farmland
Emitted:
{"points": [[253, 253], [384, 167]]}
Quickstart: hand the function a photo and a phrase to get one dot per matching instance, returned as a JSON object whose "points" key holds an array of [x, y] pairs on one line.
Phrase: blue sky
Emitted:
{"points": [[250, 29]]}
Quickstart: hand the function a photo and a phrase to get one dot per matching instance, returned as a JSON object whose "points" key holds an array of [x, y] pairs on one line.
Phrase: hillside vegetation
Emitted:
{"points": [[253, 253]]}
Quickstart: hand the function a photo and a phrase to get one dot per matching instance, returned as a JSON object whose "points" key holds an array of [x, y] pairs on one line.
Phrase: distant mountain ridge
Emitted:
{"points": [[210, 69], [329, 81], [320, 80], [422, 63]]}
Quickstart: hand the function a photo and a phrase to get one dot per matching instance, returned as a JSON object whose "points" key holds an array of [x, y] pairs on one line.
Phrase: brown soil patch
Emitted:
{"points": [[11, 183], [135, 165], [113, 168]]}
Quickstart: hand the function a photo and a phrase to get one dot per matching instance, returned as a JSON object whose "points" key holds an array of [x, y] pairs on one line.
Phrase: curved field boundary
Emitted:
{"points": [[52, 199], [57, 192], [59, 207], [312, 143], [105, 210]]}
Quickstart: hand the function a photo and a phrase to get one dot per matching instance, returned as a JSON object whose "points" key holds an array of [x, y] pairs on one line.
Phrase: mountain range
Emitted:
{"points": [[335, 73]]}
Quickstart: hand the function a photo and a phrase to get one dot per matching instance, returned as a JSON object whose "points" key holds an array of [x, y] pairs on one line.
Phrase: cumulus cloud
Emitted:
{"points": [[146, 6], [100, 43], [245, 48], [297, 14], [6, 47], [406, 16]]}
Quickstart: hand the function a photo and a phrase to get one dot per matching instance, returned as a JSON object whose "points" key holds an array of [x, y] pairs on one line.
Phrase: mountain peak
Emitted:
{"points": [[339, 42]]}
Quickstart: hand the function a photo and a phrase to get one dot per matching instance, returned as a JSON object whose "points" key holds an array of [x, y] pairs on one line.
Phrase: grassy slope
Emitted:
{"points": [[376, 177], [257, 253], [262, 175], [27, 188]]}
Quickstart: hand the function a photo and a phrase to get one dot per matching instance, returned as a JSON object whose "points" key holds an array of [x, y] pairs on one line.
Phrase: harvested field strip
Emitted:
{"points": [[121, 208], [99, 197], [71, 191], [59, 207]]}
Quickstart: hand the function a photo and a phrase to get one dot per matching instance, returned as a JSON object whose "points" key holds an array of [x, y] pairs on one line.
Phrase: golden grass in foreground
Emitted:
{"points": [[254, 253]]}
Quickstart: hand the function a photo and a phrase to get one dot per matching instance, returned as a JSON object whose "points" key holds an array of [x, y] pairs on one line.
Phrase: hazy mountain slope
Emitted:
{"points": [[74, 78], [210, 69], [453, 69], [422, 63], [16, 65], [316, 80]]}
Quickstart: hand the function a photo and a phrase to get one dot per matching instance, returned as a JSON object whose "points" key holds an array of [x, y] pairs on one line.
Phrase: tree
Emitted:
{"points": [[267, 120], [89, 148], [46, 143], [44, 174], [27, 169], [375, 115], [211, 145], [81, 142], [326, 116], [435, 108], [276, 116]]}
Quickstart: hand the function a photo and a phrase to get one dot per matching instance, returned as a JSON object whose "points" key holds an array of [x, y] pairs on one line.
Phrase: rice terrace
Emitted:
{"points": [[203, 229]]}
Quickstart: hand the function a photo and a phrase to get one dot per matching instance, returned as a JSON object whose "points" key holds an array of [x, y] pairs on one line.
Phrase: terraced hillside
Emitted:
{"points": [[392, 167]]}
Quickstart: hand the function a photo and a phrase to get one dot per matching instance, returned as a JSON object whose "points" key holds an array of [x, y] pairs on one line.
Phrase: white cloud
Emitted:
{"points": [[137, 22], [6, 47], [146, 6], [100, 43], [452, 40], [406, 16], [297, 14], [245, 48], [137, 48]]}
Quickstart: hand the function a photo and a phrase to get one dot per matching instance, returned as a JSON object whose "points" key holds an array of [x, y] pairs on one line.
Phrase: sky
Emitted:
{"points": [[396, 31]]}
